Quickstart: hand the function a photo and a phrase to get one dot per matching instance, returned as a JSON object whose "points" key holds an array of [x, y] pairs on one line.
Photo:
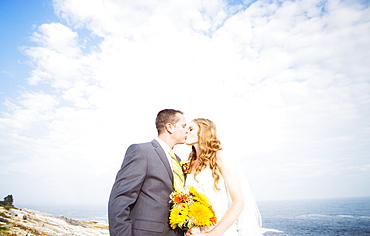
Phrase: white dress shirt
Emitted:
{"points": [[166, 149]]}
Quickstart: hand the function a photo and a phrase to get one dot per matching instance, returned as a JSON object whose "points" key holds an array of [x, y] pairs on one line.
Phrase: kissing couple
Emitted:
{"points": [[140, 202]]}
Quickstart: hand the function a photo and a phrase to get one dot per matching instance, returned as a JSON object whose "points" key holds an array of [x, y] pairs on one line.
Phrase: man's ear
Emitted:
{"points": [[170, 128]]}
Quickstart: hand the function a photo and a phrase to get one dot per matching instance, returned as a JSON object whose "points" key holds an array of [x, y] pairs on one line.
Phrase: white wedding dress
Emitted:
{"points": [[249, 222]]}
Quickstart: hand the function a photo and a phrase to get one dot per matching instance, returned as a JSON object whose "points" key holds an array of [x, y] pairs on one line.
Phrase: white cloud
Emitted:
{"points": [[286, 84]]}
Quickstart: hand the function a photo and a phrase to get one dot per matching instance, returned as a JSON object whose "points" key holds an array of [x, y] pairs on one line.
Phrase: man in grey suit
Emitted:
{"points": [[139, 201]]}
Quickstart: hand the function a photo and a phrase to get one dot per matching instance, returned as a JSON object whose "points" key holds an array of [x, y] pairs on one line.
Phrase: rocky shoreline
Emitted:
{"points": [[14, 221]]}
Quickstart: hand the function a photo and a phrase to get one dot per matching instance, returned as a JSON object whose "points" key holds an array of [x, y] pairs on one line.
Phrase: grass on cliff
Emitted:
{"points": [[3, 218], [8, 207]]}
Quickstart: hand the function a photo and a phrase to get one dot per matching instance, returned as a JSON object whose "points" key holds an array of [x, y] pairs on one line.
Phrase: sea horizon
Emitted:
{"points": [[82, 212]]}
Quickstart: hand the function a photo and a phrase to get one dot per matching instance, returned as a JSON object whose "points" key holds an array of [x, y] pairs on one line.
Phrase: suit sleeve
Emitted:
{"points": [[125, 191]]}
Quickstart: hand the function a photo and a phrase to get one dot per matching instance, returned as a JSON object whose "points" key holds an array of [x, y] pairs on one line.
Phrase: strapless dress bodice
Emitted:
{"points": [[219, 199]]}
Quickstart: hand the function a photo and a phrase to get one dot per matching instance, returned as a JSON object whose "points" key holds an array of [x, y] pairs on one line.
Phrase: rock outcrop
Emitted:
{"points": [[24, 222]]}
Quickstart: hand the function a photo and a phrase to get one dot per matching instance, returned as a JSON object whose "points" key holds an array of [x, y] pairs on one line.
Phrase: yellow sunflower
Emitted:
{"points": [[198, 197], [201, 214], [178, 215], [193, 191], [201, 198]]}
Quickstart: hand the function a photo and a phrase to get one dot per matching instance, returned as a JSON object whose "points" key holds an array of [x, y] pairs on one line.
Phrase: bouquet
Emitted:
{"points": [[191, 209]]}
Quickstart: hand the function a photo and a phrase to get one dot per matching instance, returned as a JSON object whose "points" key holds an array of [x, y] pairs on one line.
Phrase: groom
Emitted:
{"points": [[139, 201]]}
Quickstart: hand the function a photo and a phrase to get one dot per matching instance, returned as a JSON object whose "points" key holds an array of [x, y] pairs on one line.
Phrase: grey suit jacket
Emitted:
{"points": [[139, 201]]}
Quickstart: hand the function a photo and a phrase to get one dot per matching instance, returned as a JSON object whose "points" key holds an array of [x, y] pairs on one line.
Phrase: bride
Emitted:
{"points": [[212, 173]]}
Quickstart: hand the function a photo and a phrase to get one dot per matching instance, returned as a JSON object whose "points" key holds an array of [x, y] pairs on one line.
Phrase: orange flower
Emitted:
{"points": [[178, 198], [213, 218]]}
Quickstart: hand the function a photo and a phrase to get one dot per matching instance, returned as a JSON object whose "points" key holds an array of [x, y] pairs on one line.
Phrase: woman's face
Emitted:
{"points": [[192, 134]]}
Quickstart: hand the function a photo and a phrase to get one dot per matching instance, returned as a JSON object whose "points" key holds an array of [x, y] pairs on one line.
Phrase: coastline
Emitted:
{"points": [[15, 221]]}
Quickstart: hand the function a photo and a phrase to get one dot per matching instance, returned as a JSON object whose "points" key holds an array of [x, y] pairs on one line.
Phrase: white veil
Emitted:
{"points": [[249, 222]]}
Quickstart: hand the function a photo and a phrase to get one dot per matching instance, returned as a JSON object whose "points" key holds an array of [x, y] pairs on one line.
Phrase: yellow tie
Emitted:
{"points": [[178, 175]]}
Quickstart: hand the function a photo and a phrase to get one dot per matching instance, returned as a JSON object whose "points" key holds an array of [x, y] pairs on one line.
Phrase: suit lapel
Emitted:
{"points": [[163, 157]]}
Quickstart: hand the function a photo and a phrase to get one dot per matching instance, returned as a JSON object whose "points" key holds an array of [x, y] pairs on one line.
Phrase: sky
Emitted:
{"points": [[286, 82]]}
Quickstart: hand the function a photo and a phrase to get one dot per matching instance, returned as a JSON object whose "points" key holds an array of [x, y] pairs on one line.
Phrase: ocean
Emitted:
{"points": [[336, 217], [329, 217], [97, 213]]}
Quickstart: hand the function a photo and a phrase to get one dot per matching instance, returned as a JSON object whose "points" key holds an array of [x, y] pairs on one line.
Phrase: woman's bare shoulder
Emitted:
{"points": [[222, 160]]}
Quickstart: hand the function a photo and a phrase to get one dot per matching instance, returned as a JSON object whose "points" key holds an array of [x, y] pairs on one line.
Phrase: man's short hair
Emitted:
{"points": [[166, 116]]}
